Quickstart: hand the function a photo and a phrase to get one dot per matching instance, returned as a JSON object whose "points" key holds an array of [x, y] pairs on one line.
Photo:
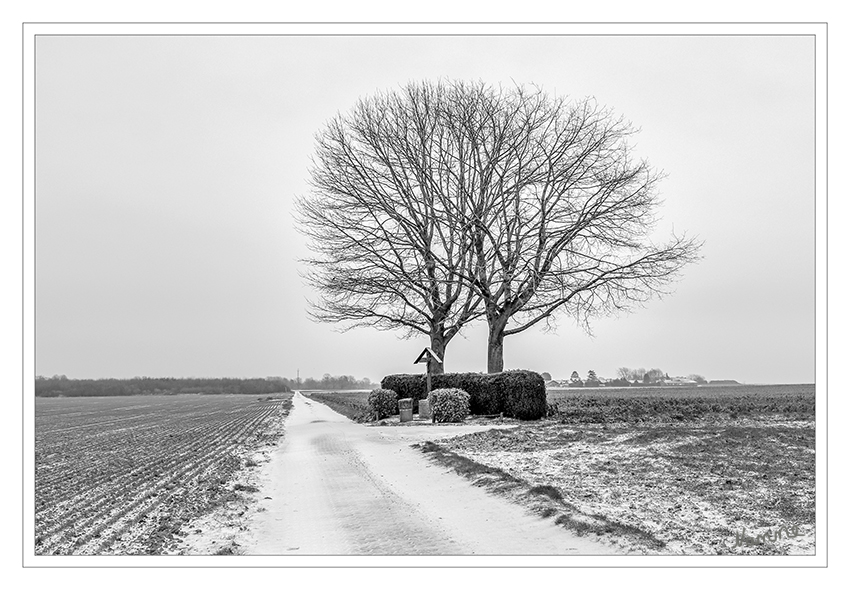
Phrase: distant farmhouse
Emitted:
{"points": [[678, 381]]}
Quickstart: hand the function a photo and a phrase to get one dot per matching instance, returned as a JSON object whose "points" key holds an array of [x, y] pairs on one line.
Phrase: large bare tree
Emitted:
{"points": [[383, 218], [442, 202]]}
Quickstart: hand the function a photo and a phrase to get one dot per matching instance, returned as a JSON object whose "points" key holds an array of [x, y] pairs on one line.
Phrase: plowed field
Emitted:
{"points": [[123, 475]]}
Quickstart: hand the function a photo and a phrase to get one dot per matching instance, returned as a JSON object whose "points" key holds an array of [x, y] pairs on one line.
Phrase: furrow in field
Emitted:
{"points": [[102, 470], [224, 447], [82, 519]]}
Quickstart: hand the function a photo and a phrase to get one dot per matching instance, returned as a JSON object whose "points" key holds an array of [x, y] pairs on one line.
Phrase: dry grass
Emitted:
{"points": [[678, 488], [352, 404], [545, 500]]}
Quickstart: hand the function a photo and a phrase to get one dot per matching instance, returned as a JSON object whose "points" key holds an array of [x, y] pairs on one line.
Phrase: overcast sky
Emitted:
{"points": [[167, 167]]}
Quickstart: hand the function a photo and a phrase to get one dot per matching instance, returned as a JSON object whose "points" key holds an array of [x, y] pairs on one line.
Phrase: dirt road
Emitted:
{"points": [[334, 487]]}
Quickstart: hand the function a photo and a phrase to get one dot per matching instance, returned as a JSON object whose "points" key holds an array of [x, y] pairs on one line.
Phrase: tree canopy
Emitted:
{"points": [[442, 202]]}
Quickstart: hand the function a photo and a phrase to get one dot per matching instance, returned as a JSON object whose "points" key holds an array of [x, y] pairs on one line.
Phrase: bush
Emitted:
{"points": [[383, 403], [513, 393], [525, 394], [449, 405]]}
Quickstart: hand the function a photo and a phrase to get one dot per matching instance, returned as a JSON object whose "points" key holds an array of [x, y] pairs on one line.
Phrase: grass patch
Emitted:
{"points": [[582, 525], [548, 512], [550, 492], [682, 404], [231, 549], [467, 467], [351, 404], [678, 486], [548, 500]]}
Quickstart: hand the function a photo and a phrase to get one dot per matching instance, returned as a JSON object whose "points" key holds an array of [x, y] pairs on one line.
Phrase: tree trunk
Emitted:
{"points": [[438, 345], [496, 348]]}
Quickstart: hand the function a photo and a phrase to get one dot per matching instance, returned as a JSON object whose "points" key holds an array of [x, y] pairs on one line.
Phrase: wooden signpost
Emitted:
{"points": [[428, 357]]}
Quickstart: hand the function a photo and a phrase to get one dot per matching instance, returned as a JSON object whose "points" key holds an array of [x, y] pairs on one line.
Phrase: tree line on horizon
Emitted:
{"points": [[628, 377], [62, 386], [329, 382]]}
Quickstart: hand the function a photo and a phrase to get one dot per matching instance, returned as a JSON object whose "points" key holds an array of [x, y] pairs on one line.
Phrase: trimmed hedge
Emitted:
{"points": [[383, 403], [516, 394], [485, 398], [525, 394], [449, 405], [412, 386]]}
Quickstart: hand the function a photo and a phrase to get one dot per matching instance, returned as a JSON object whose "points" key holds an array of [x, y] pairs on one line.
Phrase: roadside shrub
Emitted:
{"points": [[449, 405], [525, 394], [383, 403]]}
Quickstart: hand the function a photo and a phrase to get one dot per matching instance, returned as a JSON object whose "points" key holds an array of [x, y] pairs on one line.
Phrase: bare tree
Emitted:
{"points": [[654, 375], [562, 215], [446, 201], [383, 219]]}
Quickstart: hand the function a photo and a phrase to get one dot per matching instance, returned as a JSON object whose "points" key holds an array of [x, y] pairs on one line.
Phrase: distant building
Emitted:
{"points": [[678, 381]]}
